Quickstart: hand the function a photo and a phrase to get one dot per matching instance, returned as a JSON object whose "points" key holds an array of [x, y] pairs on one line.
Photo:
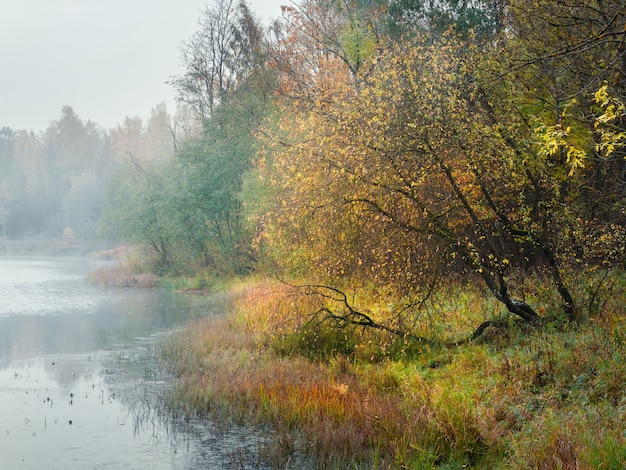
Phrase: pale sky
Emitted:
{"points": [[107, 59]]}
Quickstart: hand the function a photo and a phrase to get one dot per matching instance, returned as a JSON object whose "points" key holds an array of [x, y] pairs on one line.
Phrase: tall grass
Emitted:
{"points": [[546, 398], [116, 277], [129, 271]]}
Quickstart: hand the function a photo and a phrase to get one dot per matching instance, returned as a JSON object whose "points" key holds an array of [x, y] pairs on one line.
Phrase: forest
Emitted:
{"points": [[421, 199], [391, 146], [54, 184]]}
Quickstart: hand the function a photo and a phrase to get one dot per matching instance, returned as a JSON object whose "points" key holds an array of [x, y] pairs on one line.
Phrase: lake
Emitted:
{"points": [[80, 383]]}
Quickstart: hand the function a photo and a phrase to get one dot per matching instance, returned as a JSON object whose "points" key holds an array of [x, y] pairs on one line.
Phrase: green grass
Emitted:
{"points": [[551, 397]]}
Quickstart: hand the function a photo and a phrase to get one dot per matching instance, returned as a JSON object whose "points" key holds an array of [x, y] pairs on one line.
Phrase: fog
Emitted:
{"points": [[53, 184], [107, 60], [83, 88]]}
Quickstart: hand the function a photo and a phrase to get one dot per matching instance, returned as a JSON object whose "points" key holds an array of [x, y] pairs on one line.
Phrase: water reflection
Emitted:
{"points": [[48, 308], [79, 383]]}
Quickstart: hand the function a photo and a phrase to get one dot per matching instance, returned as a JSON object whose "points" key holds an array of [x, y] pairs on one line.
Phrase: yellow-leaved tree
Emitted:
{"points": [[422, 165]]}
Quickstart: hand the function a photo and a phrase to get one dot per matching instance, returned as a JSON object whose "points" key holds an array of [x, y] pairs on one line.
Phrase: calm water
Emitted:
{"points": [[80, 387]]}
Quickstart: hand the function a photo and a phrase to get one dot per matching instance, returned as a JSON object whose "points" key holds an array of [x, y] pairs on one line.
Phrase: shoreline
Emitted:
{"points": [[513, 399], [52, 246]]}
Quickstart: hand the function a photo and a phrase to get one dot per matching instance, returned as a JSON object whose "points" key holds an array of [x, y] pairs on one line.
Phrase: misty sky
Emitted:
{"points": [[106, 58]]}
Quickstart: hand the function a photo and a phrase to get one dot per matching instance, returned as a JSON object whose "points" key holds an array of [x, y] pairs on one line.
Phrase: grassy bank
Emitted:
{"points": [[551, 397]]}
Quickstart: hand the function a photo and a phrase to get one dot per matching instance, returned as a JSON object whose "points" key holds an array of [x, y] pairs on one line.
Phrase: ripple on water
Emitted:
{"points": [[80, 383]]}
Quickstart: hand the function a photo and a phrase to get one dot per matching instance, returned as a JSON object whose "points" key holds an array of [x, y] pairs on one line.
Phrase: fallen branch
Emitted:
{"points": [[350, 315], [503, 324]]}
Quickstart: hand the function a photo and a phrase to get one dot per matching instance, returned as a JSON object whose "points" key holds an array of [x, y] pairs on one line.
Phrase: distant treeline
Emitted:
{"points": [[53, 184]]}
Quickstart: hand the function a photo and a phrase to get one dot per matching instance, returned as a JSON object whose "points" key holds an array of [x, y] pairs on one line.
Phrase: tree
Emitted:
{"points": [[399, 169], [7, 155], [481, 18], [316, 41], [424, 167], [137, 211], [562, 53], [32, 199], [219, 57], [210, 171], [79, 164], [152, 142], [188, 209]]}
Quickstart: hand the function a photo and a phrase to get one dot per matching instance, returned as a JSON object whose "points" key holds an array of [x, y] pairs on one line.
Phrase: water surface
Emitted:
{"points": [[80, 386]]}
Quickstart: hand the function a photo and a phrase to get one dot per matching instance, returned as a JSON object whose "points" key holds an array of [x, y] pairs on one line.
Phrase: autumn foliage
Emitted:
{"points": [[433, 158], [437, 191], [358, 149]]}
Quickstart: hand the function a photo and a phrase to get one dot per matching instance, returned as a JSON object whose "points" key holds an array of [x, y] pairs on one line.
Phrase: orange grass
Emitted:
{"points": [[342, 418], [522, 399]]}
